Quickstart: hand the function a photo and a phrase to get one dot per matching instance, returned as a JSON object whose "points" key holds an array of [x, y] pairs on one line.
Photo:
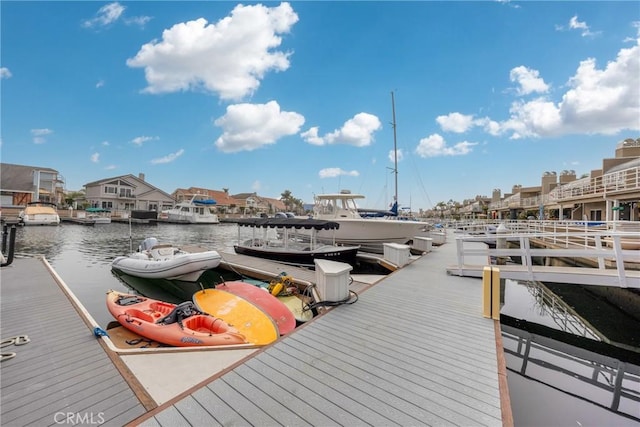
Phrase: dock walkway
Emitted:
{"points": [[413, 350], [62, 375]]}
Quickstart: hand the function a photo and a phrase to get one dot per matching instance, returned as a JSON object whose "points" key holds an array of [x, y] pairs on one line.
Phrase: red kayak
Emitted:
{"points": [[179, 325]]}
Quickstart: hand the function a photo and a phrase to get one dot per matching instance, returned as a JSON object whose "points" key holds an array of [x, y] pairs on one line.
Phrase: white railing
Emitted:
{"points": [[601, 186], [600, 246]]}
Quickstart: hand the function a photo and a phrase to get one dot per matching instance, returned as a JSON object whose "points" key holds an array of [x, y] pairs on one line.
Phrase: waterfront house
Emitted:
{"points": [[610, 193], [252, 204], [126, 193], [20, 184]]}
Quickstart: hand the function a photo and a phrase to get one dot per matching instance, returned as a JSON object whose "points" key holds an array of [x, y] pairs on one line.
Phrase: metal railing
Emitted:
{"points": [[526, 240], [602, 186]]}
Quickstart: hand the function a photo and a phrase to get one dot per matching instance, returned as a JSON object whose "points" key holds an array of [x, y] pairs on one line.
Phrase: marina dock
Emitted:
{"points": [[413, 350]]}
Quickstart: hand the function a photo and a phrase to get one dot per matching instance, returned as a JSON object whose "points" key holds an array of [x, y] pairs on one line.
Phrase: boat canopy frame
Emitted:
{"points": [[297, 223]]}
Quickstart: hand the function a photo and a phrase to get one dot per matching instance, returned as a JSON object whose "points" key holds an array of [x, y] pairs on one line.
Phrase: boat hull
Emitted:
{"points": [[142, 317], [371, 234], [188, 267], [347, 254], [191, 219]]}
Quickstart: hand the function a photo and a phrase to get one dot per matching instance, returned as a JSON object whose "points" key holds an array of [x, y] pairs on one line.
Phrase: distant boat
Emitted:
{"points": [[39, 213], [164, 261], [292, 241], [197, 210], [99, 215]]}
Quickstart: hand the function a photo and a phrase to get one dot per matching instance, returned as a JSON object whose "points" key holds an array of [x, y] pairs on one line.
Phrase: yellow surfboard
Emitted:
{"points": [[256, 325]]}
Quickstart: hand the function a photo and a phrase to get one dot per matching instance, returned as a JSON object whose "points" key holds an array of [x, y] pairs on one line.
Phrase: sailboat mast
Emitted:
{"points": [[395, 147]]}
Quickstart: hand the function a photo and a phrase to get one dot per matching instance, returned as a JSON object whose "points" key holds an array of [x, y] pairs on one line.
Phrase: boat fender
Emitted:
{"points": [[277, 288]]}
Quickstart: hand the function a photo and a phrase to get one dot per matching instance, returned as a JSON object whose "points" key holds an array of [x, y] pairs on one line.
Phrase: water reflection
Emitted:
{"points": [[82, 255], [565, 367]]}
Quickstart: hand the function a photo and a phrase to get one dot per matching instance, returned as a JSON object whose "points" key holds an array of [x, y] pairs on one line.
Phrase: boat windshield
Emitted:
{"points": [[340, 206]]}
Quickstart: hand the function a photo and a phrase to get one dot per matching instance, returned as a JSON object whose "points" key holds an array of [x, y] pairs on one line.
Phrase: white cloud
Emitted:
{"points": [[455, 122], [229, 58], [357, 131], [140, 21], [256, 185], [95, 157], [168, 158], [334, 172], [105, 143], [5, 73], [39, 135], [246, 127], [105, 16], [99, 84], [574, 24], [110, 167], [435, 146], [400, 155], [597, 101], [142, 139], [529, 80]]}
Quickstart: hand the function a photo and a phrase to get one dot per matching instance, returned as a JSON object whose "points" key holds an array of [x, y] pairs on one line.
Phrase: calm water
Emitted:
{"points": [[82, 255], [558, 389]]}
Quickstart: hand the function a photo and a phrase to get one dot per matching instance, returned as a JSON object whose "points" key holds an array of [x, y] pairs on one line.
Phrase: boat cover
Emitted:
{"points": [[317, 224]]}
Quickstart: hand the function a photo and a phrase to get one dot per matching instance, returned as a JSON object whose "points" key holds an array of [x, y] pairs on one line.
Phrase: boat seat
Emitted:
{"points": [[141, 315], [182, 311], [162, 251]]}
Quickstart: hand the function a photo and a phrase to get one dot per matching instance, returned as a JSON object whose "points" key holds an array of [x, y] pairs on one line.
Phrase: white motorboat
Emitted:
{"points": [[197, 210], [164, 261], [368, 233], [39, 213]]}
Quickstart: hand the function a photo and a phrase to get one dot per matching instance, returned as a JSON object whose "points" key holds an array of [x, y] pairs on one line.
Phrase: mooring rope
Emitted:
{"points": [[17, 340]]}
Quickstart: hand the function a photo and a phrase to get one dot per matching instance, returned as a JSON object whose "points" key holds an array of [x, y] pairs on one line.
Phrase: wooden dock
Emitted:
{"points": [[62, 375], [414, 350]]}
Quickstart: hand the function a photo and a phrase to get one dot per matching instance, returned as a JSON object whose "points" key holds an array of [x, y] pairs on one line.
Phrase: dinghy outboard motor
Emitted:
{"points": [[147, 244], [180, 312]]}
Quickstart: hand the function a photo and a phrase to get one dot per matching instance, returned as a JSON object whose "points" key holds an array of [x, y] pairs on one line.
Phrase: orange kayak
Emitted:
{"points": [[176, 325]]}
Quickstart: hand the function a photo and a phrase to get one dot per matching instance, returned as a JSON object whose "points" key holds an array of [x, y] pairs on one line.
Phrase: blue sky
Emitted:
{"points": [[296, 96]]}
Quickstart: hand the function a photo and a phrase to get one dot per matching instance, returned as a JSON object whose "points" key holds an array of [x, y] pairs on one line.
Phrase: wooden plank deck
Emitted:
{"points": [[413, 350], [62, 376]]}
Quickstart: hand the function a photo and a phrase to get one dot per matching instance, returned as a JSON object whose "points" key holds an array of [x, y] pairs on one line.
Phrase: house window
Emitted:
{"points": [[596, 215], [108, 189], [125, 192]]}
